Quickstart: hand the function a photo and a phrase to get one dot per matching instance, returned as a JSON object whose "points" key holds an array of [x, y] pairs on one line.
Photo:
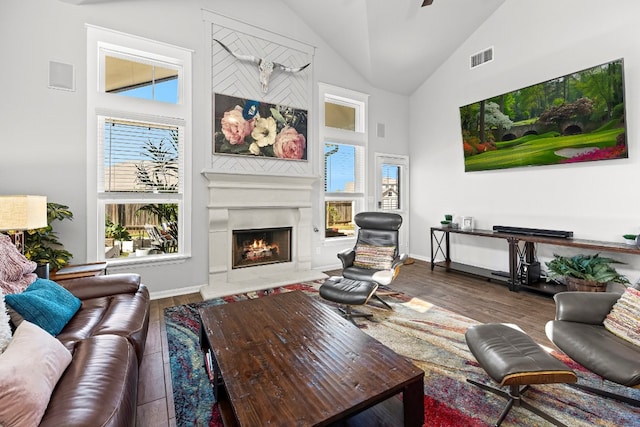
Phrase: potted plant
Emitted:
{"points": [[42, 245], [584, 272], [630, 239], [116, 231]]}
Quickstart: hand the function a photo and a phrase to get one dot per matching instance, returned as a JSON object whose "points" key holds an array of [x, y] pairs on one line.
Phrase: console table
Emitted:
{"points": [[518, 255]]}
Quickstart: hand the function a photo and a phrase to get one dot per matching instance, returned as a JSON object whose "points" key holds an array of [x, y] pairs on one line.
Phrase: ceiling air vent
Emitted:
{"points": [[482, 57]]}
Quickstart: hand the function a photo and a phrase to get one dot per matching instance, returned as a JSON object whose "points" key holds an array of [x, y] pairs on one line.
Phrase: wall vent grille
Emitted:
{"points": [[482, 57]]}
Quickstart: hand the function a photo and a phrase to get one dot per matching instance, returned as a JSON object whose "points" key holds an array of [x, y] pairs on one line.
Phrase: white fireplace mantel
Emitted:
{"points": [[245, 201]]}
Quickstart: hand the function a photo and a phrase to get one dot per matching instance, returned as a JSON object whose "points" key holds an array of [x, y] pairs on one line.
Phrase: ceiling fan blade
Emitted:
{"points": [[426, 3]]}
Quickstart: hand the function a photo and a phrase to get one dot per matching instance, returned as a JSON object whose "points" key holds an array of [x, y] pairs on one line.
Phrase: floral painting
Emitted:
{"points": [[252, 128]]}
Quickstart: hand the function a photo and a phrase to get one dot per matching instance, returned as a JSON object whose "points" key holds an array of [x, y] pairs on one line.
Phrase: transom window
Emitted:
{"points": [[134, 78]]}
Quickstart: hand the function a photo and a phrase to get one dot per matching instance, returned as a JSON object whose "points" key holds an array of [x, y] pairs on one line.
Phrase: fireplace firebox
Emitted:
{"points": [[261, 246]]}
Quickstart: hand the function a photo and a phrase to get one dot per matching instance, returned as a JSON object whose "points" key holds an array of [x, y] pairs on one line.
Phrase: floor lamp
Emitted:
{"points": [[20, 213]]}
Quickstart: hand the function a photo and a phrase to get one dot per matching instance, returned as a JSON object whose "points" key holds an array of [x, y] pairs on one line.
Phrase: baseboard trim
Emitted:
{"points": [[175, 292]]}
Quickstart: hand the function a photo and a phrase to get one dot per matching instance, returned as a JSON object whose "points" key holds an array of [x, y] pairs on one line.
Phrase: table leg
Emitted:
{"points": [[513, 264], [438, 246], [413, 403], [433, 257]]}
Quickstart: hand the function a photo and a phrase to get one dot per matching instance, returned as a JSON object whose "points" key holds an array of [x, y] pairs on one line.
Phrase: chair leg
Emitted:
{"points": [[620, 398], [377, 297], [514, 398], [349, 314]]}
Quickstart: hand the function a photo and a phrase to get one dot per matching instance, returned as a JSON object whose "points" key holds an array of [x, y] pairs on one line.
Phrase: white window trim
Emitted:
{"points": [[101, 40], [358, 138], [403, 162]]}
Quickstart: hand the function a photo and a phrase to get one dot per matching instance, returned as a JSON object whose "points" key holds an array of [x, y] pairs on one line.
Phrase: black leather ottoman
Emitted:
{"points": [[348, 292], [513, 359]]}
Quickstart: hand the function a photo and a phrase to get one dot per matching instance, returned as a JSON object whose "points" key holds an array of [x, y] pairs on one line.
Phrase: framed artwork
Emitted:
{"points": [[467, 223], [575, 118], [246, 127]]}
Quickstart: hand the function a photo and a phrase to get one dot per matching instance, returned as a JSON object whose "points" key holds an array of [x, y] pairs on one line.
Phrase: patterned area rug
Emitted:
{"points": [[433, 338]]}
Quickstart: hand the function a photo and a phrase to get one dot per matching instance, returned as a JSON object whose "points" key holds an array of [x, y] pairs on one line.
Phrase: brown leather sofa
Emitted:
{"points": [[106, 338]]}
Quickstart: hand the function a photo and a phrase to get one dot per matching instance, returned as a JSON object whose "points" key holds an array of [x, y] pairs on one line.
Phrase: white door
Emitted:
{"points": [[392, 191]]}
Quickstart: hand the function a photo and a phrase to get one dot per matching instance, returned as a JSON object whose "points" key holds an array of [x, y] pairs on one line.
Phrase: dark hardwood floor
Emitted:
{"points": [[478, 299]]}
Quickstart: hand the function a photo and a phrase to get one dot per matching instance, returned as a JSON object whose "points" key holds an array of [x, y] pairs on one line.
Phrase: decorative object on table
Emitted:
{"points": [[467, 223], [251, 128], [20, 213], [265, 66], [584, 272], [447, 220], [630, 239], [42, 244]]}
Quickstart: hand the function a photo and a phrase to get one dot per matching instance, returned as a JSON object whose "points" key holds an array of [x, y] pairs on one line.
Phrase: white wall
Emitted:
{"points": [[43, 137], [533, 40]]}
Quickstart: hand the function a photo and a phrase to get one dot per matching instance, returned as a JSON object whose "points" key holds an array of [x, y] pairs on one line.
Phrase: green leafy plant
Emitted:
{"points": [[593, 268], [630, 236], [166, 213], [116, 231], [42, 245], [159, 172]]}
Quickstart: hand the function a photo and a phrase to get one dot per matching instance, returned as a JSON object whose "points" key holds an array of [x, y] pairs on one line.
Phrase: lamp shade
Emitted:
{"points": [[23, 212]]}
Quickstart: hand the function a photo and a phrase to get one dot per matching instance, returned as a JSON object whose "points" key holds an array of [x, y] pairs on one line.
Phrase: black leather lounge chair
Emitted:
{"points": [[578, 331], [375, 257]]}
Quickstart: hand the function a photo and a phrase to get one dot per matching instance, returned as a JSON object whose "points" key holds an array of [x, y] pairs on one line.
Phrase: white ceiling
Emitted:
{"points": [[395, 44]]}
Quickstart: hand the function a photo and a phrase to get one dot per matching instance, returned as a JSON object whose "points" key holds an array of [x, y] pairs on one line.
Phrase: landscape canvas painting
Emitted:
{"points": [[579, 117], [251, 128]]}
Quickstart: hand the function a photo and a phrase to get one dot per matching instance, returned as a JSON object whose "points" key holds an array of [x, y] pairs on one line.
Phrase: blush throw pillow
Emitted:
{"points": [[16, 272], [624, 318], [30, 368], [375, 257], [5, 327], [46, 304]]}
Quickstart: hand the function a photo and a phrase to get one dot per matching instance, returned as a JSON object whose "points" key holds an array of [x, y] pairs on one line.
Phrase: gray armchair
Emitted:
{"points": [[579, 332], [376, 230]]}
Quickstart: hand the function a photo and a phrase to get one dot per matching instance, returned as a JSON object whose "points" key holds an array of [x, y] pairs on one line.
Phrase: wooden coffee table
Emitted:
{"points": [[289, 360]]}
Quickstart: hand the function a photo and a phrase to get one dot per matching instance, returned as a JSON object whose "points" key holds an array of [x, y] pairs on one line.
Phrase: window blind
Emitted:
{"points": [[140, 157]]}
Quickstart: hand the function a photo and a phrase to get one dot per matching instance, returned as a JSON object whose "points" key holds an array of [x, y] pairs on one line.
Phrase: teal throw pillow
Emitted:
{"points": [[46, 304]]}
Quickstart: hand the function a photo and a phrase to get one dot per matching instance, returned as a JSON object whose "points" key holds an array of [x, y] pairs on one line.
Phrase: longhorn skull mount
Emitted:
{"points": [[265, 66]]}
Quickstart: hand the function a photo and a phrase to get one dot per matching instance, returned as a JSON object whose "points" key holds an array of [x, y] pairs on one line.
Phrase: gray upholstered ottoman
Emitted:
{"points": [[348, 292], [513, 359]]}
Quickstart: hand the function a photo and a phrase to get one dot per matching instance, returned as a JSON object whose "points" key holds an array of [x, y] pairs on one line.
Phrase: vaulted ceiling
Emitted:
{"points": [[395, 44]]}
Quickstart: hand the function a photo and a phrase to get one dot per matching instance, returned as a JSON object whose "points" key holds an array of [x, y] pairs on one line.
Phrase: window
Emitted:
{"points": [[131, 77], [391, 187], [139, 131], [345, 138], [391, 182]]}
